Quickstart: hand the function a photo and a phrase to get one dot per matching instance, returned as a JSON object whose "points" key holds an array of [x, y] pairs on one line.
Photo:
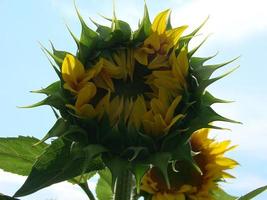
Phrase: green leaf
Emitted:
{"points": [[51, 89], [103, 187], [219, 194], [144, 29], [59, 128], [4, 197], [17, 155], [60, 161], [253, 193]]}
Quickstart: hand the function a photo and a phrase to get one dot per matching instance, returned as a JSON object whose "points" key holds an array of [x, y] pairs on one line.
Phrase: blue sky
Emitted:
{"points": [[238, 27]]}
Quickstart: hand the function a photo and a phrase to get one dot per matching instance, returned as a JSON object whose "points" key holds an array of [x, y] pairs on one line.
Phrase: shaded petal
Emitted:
{"points": [[85, 94]]}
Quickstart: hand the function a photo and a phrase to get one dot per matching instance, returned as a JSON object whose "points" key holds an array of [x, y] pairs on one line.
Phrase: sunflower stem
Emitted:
{"points": [[123, 188], [86, 189]]}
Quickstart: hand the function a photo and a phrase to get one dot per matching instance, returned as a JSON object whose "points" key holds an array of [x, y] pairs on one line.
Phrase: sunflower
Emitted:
{"points": [[141, 89], [189, 183]]}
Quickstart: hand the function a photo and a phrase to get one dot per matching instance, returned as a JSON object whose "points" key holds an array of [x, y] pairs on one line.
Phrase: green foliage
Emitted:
{"points": [[219, 194], [4, 197], [253, 193], [103, 187], [144, 28], [60, 127], [60, 161], [17, 155]]}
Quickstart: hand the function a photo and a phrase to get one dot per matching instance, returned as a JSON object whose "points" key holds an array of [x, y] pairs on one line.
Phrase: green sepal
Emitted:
{"points": [[186, 39], [139, 170], [198, 62], [205, 72], [59, 128], [88, 40], [59, 162], [161, 160], [103, 186], [56, 100], [74, 37], [58, 72], [169, 25], [203, 84], [133, 152], [208, 99], [253, 193], [59, 55], [219, 194], [193, 51], [90, 152], [57, 60], [122, 31], [116, 166], [51, 89], [206, 115], [144, 29], [103, 31]]}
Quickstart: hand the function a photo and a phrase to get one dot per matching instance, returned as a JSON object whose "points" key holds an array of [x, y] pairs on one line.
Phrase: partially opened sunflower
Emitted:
{"points": [[134, 103], [188, 183]]}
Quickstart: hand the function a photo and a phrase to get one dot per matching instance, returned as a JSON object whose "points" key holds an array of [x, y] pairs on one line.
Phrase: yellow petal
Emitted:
{"points": [[108, 81], [157, 107], [158, 62], [70, 88], [103, 105], [87, 110], [171, 109], [152, 42], [227, 162], [138, 111], [174, 35], [160, 125], [115, 109], [182, 61], [72, 69], [141, 56], [177, 70], [219, 148], [159, 24], [85, 94]]}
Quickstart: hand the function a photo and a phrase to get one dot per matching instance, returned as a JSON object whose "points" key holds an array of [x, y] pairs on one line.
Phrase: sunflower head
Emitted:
{"points": [[138, 94], [188, 182]]}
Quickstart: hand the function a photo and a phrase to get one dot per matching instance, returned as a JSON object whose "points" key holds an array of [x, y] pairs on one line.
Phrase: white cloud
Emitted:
{"points": [[229, 19]]}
